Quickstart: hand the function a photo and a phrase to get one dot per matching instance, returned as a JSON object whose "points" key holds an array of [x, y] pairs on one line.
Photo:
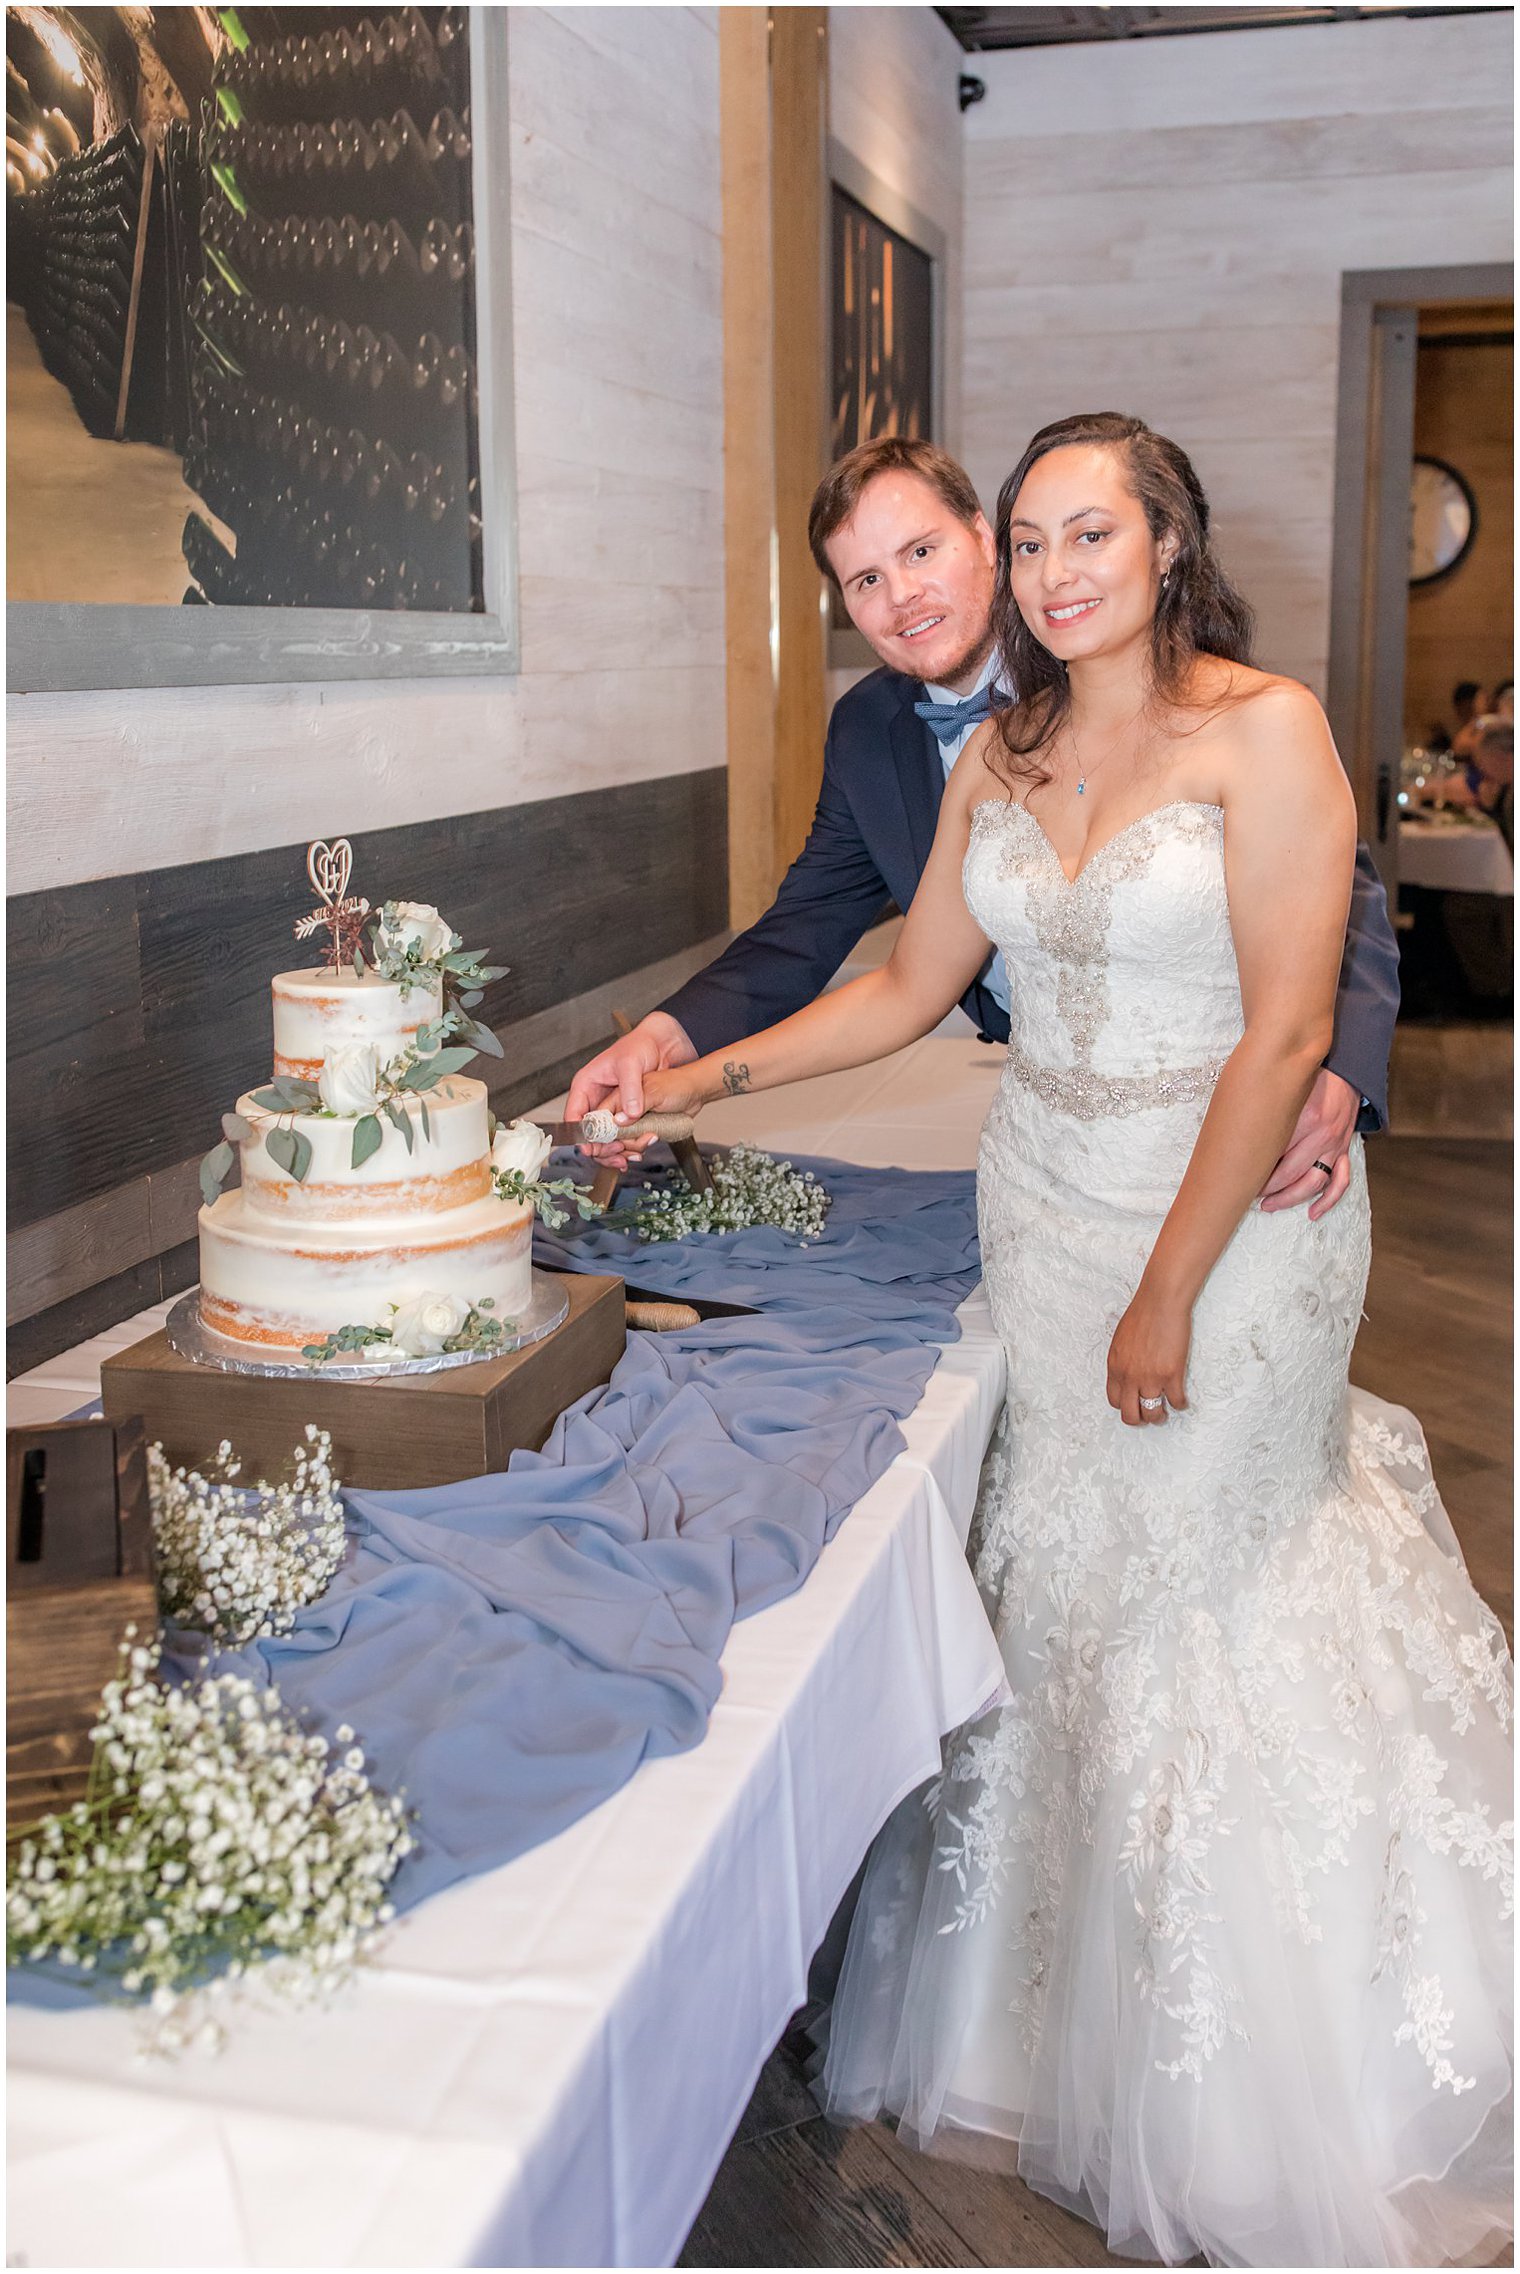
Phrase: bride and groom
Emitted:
{"points": [[1202, 1925]]}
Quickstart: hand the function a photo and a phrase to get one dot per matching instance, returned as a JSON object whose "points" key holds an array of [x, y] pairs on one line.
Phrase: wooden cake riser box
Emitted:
{"points": [[411, 1430]]}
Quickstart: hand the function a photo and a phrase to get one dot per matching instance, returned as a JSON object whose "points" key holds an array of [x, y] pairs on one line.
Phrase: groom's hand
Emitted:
{"points": [[1324, 1133], [615, 1077]]}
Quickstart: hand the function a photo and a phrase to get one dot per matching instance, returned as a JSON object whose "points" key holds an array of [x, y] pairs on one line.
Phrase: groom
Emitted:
{"points": [[897, 528]]}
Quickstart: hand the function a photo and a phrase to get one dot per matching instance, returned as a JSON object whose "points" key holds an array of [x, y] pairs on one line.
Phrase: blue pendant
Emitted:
{"points": [[1082, 787]]}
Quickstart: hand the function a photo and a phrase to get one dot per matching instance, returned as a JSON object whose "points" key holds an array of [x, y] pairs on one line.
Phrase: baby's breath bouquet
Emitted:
{"points": [[750, 1188], [215, 1834], [238, 1561]]}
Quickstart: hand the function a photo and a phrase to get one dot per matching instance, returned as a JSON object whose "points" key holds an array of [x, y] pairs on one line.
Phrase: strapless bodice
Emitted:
{"points": [[1125, 990]]}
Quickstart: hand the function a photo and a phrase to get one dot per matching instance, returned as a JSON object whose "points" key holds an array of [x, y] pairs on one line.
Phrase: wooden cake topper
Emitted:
{"points": [[329, 867]]}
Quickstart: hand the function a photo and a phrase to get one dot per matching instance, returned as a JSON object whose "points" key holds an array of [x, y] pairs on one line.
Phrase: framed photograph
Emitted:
{"points": [[881, 331], [258, 368], [886, 332]]}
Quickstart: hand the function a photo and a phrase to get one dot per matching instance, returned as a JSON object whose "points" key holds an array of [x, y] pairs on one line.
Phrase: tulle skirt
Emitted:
{"points": [[1232, 1977]]}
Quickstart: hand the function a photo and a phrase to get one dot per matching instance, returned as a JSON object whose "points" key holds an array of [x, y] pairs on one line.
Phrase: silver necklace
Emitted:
{"points": [[1103, 761]]}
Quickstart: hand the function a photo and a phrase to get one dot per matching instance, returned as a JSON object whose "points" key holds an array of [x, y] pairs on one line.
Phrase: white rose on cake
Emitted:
{"points": [[522, 1148], [421, 1327], [350, 1079], [408, 924]]}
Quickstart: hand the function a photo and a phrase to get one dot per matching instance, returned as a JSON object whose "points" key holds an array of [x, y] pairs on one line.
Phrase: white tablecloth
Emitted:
{"points": [[1455, 856], [547, 2063]]}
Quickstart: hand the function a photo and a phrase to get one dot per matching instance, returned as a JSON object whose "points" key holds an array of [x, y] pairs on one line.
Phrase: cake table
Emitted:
{"points": [[548, 2062]]}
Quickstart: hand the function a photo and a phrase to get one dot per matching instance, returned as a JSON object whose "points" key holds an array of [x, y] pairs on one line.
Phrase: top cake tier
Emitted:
{"points": [[319, 1012]]}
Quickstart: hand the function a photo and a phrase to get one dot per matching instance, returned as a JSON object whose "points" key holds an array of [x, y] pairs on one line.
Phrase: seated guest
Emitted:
{"points": [[1466, 703], [1471, 705], [1494, 763]]}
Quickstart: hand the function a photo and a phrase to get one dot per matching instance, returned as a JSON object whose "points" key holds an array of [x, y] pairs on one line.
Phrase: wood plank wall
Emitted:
{"points": [[140, 1008], [1161, 227]]}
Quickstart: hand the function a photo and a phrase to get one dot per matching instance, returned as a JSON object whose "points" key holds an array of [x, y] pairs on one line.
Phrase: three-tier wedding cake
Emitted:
{"points": [[370, 1198]]}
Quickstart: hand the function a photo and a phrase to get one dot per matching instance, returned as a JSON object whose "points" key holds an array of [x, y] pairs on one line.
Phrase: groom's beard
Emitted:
{"points": [[972, 660]]}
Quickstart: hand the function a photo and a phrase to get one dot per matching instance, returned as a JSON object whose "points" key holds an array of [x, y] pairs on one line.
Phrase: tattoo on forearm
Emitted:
{"points": [[735, 1079]]}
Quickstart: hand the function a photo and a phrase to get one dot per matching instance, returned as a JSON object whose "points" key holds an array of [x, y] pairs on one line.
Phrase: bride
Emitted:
{"points": [[1203, 1924]]}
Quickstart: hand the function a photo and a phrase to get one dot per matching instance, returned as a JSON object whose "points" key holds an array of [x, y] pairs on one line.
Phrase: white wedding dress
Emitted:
{"points": [[1205, 1923]]}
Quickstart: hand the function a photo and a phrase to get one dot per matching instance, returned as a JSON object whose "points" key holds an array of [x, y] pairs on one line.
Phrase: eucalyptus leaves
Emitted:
{"points": [[427, 1326], [410, 941], [542, 1198]]}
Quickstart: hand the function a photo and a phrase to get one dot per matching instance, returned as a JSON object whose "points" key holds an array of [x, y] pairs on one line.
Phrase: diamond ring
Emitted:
{"points": [[1151, 1405]]}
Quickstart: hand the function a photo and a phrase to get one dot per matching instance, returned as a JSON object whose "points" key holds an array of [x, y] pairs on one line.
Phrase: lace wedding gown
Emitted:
{"points": [[1205, 1923]]}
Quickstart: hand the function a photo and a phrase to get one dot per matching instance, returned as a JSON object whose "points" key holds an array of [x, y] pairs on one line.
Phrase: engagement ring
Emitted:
{"points": [[1151, 1405]]}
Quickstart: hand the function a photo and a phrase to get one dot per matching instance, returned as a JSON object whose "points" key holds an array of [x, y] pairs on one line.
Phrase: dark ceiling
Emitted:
{"points": [[979, 29]]}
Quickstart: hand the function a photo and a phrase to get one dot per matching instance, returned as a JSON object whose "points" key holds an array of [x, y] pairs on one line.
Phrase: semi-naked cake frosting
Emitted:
{"points": [[285, 1262], [319, 1012]]}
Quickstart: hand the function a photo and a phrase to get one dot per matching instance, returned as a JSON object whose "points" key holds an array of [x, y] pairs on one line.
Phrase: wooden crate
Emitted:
{"points": [[79, 1572], [416, 1429]]}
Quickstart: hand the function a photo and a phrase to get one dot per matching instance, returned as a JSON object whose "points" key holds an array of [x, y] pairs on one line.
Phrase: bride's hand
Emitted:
{"points": [[1147, 1358], [671, 1089], [667, 1089]]}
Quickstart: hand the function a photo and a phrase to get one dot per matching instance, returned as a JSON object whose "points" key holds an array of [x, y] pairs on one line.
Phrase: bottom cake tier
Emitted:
{"points": [[279, 1287]]}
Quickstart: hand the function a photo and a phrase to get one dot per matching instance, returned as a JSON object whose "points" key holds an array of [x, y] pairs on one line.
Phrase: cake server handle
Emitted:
{"points": [[600, 1128]]}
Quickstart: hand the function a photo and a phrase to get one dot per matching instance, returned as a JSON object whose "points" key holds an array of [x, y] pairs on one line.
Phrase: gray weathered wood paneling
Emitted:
{"points": [[140, 1007]]}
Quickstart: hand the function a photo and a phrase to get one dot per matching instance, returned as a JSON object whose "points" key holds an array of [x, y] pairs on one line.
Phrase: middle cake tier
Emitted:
{"points": [[286, 1260], [447, 1165]]}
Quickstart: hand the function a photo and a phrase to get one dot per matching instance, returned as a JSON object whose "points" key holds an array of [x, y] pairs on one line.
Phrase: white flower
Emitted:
{"points": [[350, 1079], [295, 1876], [750, 1188], [407, 924], [523, 1148], [421, 1327], [241, 1560]]}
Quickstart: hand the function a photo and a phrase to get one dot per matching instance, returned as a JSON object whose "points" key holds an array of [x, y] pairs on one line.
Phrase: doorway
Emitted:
{"points": [[1420, 649]]}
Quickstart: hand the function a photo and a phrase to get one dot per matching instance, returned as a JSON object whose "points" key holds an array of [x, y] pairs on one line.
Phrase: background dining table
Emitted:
{"points": [[1454, 852]]}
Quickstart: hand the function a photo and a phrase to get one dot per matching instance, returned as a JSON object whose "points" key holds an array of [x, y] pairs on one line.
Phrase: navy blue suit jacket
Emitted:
{"points": [[877, 810]]}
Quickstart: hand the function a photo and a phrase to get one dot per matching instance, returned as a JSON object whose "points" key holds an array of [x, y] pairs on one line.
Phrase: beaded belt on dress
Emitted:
{"points": [[1087, 1096]]}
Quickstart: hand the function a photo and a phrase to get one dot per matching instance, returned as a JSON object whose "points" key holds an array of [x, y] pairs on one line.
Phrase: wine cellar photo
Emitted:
{"points": [[241, 248]]}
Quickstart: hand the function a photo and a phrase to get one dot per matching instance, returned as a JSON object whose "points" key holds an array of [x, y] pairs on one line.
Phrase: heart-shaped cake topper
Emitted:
{"points": [[330, 867]]}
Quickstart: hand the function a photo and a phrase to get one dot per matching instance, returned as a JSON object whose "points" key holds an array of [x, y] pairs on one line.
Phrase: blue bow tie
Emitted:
{"points": [[946, 721]]}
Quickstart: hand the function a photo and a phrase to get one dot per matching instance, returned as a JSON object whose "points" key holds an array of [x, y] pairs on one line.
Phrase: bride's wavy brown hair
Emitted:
{"points": [[1198, 610]]}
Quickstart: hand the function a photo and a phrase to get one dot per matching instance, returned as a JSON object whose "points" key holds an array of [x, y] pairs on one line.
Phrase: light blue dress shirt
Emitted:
{"points": [[994, 972]]}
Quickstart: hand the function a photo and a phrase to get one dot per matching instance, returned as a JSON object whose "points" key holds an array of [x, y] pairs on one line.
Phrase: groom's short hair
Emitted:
{"points": [[838, 494]]}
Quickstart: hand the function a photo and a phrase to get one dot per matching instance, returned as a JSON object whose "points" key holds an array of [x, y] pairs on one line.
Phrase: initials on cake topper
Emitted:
{"points": [[329, 867]]}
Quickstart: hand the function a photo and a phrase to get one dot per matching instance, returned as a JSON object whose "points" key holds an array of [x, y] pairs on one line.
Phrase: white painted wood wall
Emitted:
{"points": [[616, 259], [1161, 226]]}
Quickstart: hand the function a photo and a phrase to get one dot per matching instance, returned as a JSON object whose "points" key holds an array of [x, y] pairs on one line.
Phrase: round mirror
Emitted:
{"points": [[1443, 517]]}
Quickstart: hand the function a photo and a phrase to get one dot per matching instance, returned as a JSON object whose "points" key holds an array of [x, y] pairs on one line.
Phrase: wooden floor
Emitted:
{"points": [[796, 2191]]}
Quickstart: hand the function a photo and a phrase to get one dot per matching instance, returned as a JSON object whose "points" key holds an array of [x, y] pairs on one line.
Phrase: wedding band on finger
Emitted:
{"points": [[1152, 1405], [1325, 1165]]}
